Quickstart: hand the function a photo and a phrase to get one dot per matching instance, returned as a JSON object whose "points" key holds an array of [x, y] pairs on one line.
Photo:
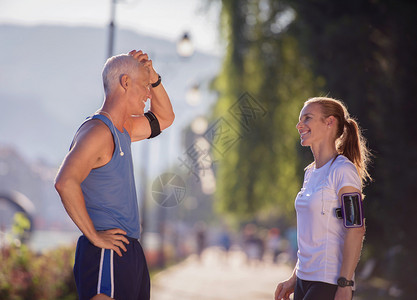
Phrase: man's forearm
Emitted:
{"points": [[73, 201], [161, 106]]}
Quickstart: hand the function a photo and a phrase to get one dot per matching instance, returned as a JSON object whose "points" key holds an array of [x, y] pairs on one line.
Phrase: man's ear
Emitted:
{"points": [[125, 81]]}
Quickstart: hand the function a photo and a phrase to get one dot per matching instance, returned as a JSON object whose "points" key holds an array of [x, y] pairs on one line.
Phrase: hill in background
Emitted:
{"points": [[50, 80]]}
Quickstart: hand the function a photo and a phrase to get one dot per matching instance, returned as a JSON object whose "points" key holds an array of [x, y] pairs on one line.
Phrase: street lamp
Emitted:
{"points": [[199, 125], [193, 95], [185, 47]]}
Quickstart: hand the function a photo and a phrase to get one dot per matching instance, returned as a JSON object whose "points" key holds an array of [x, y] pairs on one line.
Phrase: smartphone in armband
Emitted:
{"points": [[351, 211]]}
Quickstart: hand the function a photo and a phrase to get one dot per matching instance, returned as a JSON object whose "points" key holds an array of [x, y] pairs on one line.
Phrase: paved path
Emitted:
{"points": [[218, 278]]}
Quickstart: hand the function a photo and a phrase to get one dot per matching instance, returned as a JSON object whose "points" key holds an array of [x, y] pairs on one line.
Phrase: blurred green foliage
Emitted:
{"points": [[21, 226], [27, 275], [360, 51], [261, 173]]}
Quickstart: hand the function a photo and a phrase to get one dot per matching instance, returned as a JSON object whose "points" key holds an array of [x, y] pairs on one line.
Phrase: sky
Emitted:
{"points": [[167, 19]]}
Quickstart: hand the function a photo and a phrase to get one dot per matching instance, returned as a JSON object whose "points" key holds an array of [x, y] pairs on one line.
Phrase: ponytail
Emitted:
{"points": [[349, 139], [352, 144]]}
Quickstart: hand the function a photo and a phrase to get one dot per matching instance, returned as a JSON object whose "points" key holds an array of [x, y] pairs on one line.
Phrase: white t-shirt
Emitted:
{"points": [[320, 234]]}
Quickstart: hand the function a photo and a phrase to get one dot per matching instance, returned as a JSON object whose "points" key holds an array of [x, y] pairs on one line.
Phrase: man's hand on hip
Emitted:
{"points": [[113, 239]]}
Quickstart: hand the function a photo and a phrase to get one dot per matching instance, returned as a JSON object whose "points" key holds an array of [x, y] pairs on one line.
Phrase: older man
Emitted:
{"points": [[96, 182]]}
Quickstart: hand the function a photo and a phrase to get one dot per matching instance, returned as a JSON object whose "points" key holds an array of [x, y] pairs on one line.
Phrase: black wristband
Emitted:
{"points": [[158, 82], [154, 123]]}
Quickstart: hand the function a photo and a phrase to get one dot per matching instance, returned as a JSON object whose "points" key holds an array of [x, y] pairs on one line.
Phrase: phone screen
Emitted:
{"points": [[352, 208]]}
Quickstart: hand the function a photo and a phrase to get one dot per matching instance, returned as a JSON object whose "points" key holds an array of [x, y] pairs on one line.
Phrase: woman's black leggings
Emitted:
{"points": [[313, 290]]}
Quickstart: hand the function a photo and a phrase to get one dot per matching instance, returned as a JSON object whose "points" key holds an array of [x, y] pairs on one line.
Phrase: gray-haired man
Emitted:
{"points": [[96, 183]]}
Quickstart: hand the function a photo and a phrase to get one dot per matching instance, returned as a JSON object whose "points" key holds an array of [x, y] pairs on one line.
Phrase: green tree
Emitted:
{"points": [[260, 174]]}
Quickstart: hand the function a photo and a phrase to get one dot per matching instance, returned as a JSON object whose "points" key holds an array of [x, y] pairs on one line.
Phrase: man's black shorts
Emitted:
{"points": [[101, 271]]}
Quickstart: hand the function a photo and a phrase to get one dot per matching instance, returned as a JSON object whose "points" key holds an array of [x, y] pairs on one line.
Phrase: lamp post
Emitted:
{"points": [[111, 28], [185, 47]]}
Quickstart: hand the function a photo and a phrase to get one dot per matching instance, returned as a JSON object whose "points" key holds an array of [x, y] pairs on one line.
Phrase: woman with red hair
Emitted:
{"points": [[328, 246]]}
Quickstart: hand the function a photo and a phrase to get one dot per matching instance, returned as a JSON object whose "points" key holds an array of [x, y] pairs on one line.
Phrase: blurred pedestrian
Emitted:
{"points": [[200, 236], [291, 235], [328, 251], [253, 245], [275, 243], [225, 240], [96, 181]]}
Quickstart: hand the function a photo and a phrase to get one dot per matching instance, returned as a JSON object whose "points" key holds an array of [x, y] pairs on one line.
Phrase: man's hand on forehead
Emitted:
{"points": [[139, 55], [146, 62]]}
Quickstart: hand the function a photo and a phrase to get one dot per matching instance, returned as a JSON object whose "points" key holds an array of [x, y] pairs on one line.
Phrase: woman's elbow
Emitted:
{"points": [[359, 231]]}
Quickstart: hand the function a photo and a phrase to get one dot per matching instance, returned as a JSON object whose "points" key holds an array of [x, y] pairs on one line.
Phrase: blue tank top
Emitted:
{"points": [[109, 191]]}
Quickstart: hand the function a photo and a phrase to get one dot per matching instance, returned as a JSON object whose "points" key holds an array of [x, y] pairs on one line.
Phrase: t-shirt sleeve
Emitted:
{"points": [[346, 175]]}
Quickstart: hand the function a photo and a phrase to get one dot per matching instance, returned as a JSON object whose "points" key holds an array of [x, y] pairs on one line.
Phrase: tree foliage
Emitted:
{"points": [[260, 173]]}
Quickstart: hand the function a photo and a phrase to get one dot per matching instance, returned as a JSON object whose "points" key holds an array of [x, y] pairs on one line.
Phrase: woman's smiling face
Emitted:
{"points": [[311, 125]]}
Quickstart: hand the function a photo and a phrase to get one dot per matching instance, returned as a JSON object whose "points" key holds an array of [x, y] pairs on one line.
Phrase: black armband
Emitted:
{"points": [[351, 211], [153, 121]]}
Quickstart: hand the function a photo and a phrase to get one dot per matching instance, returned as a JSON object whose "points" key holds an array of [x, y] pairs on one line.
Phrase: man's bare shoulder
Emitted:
{"points": [[94, 132], [93, 144]]}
